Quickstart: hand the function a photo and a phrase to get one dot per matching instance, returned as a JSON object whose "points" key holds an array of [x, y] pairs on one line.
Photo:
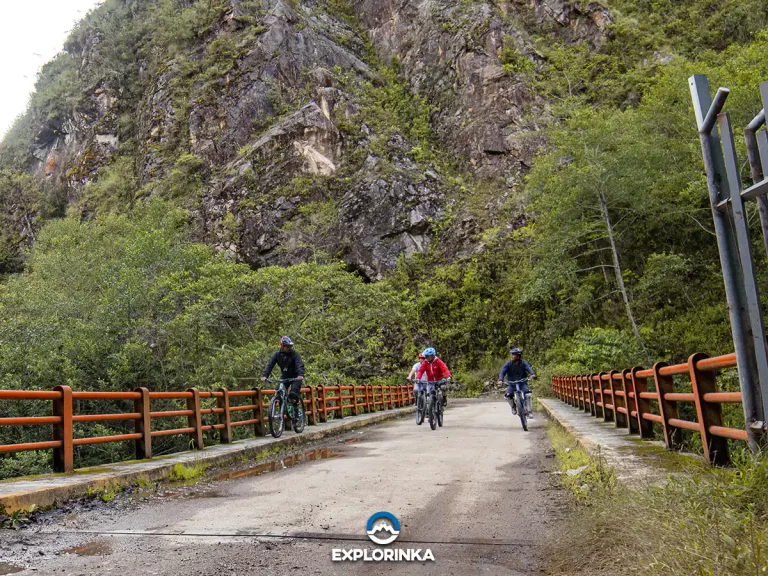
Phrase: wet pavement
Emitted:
{"points": [[475, 492]]}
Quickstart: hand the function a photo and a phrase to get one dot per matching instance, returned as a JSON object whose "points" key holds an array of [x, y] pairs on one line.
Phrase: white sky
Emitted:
{"points": [[32, 32]]}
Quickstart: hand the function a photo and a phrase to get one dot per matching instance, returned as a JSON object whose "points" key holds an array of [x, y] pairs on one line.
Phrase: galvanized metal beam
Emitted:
{"points": [[725, 199]]}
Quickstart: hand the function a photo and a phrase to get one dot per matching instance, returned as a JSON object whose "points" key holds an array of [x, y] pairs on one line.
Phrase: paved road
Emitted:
{"points": [[475, 492]]}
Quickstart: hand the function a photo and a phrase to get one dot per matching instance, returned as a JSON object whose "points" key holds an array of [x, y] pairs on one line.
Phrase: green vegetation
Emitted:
{"points": [[589, 479], [701, 521], [18, 519], [183, 473]]}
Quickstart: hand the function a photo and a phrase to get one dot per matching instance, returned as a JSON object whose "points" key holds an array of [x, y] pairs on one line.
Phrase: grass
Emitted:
{"points": [[594, 478], [706, 522], [183, 473]]}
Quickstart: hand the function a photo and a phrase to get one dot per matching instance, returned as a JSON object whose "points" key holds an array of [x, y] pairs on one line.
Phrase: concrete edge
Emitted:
{"points": [[123, 475], [588, 445], [632, 466]]}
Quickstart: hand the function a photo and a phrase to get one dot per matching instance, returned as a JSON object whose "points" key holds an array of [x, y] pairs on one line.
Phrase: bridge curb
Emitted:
{"points": [[52, 490], [631, 458]]}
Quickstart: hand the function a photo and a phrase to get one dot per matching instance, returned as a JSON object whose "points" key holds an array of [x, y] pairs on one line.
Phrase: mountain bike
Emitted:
{"points": [[436, 404], [279, 406], [421, 404], [519, 400]]}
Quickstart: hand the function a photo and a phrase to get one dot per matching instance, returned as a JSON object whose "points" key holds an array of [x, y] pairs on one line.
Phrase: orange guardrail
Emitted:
{"points": [[233, 408], [624, 398]]}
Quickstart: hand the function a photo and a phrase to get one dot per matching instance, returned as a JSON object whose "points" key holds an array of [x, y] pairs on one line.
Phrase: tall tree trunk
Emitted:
{"points": [[617, 270]]}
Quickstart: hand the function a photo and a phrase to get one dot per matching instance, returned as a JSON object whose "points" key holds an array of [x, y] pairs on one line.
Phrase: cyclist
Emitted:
{"points": [[291, 366], [517, 369], [434, 368], [418, 385]]}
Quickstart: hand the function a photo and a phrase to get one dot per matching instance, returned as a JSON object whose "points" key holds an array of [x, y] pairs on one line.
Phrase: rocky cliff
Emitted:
{"points": [[299, 129]]}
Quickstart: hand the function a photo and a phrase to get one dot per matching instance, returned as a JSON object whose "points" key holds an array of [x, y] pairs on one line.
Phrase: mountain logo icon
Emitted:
{"points": [[383, 528]]}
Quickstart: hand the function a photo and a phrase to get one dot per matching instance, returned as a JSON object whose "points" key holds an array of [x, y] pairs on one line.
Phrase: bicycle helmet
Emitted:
{"points": [[421, 356], [430, 352], [516, 350], [286, 341]]}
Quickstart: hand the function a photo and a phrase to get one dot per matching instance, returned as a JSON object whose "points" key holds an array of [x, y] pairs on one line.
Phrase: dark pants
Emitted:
{"points": [[293, 393]]}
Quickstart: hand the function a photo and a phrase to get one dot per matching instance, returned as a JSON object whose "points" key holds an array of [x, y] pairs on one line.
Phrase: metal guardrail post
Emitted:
{"points": [[195, 420], [668, 408], [715, 447], [143, 425], [64, 456], [222, 402]]}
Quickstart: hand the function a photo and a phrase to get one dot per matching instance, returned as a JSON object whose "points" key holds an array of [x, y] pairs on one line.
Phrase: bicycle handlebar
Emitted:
{"points": [[283, 380]]}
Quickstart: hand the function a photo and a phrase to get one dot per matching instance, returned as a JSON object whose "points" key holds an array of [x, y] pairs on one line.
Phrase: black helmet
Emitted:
{"points": [[516, 350], [286, 341]]}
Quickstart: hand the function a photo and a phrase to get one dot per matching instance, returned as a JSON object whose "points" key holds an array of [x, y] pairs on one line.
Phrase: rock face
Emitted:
{"points": [[267, 126]]}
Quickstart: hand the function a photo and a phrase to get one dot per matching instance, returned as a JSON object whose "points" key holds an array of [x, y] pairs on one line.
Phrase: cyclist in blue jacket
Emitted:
{"points": [[514, 370]]}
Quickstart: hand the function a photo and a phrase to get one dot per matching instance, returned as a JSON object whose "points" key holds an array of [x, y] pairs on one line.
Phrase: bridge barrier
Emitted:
{"points": [[233, 408], [624, 398]]}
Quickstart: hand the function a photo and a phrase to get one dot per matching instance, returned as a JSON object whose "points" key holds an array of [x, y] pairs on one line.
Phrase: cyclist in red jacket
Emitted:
{"points": [[434, 368]]}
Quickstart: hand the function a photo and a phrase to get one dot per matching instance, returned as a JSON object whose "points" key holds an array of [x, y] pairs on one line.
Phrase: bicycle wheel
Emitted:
{"points": [[440, 410], [432, 411], [420, 407], [521, 411], [300, 417], [276, 412]]}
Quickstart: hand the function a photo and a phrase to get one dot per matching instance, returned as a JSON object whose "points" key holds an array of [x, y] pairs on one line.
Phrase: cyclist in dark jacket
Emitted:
{"points": [[514, 370], [291, 366]]}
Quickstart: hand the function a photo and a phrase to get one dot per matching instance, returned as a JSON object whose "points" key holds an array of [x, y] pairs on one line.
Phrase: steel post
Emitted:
{"points": [[728, 248]]}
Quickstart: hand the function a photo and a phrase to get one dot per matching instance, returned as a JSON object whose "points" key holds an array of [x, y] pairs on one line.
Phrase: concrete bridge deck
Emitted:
{"points": [[475, 492]]}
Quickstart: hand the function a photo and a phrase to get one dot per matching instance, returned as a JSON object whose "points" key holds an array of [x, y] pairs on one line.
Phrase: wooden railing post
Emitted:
{"points": [[313, 406], [668, 408], [222, 402], [597, 390], [323, 406], [258, 412], [629, 402], [195, 420], [64, 456], [708, 414], [574, 398], [143, 425], [642, 405], [601, 381], [340, 403], [579, 397], [369, 398], [618, 418]]}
